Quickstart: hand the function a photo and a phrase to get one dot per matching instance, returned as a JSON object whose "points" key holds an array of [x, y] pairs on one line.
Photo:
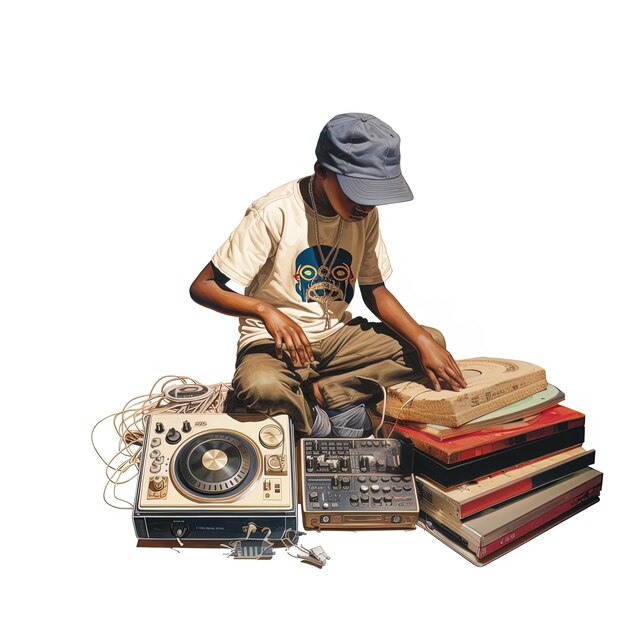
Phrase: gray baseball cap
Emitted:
{"points": [[364, 152]]}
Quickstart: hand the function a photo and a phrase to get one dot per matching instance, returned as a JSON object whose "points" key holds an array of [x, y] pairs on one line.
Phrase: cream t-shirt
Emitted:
{"points": [[273, 253]]}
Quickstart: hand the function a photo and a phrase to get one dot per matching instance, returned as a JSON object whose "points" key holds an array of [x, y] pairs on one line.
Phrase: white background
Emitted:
{"points": [[133, 137]]}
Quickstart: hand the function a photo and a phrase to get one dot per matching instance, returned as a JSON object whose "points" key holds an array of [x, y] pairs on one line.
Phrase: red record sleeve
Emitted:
{"points": [[492, 439]]}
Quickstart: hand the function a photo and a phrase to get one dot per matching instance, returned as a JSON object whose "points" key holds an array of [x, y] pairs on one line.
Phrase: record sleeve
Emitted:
{"points": [[491, 439], [452, 475], [469, 498], [489, 531]]}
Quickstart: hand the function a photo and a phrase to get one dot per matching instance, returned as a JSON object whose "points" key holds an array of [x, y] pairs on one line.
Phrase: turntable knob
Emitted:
{"points": [[159, 428], [173, 436], [156, 484], [271, 436], [186, 426]]}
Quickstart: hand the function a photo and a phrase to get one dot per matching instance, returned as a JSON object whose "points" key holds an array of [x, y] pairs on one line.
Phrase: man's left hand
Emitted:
{"points": [[438, 364]]}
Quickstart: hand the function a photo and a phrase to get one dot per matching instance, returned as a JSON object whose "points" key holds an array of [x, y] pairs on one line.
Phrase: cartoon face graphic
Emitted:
{"points": [[318, 282]]}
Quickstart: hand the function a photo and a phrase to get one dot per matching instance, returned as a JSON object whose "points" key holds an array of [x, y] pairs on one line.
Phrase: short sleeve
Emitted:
{"points": [[375, 267], [248, 248]]}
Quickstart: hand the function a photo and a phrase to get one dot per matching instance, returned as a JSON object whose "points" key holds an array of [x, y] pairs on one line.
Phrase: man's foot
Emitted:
{"points": [[352, 421]]}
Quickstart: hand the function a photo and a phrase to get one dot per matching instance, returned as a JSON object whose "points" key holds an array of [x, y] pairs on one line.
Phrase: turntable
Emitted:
{"points": [[209, 477]]}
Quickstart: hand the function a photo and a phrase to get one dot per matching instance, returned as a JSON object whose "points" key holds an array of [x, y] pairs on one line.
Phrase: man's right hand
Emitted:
{"points": [[286, 332]]}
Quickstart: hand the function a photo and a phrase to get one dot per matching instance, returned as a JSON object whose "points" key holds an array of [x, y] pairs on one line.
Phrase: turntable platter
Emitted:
{"points": [[215, 463]]}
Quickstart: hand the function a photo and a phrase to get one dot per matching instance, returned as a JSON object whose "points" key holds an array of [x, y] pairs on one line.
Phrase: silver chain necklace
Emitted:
{"points": [[324, 291]]}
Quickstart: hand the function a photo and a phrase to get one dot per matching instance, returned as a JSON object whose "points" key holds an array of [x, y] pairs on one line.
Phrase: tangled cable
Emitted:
{"points": [[169, 394]]}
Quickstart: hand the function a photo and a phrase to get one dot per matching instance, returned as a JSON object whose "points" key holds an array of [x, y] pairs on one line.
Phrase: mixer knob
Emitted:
{"points": [[377, 499], [159, 428], [334, 481], [344, 464], [173, 436], [375, 488], [364, 464], [186, 426], [345, 482], [354, 500], [314, 496], [310, 464], [364, 488], [380, 465]]}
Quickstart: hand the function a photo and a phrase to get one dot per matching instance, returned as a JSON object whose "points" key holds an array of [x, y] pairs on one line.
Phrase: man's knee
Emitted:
{"points": [[258, 386]]}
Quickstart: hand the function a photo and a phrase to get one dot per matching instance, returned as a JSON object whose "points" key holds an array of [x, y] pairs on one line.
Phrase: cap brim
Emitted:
{"points": [[375, 191]]}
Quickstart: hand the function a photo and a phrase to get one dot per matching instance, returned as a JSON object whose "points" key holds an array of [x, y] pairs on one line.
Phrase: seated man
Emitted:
{"points": [[298, 252]]}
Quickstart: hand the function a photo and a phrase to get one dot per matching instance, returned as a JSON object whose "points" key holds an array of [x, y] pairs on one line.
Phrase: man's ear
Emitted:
{"points": [[320, 170]]}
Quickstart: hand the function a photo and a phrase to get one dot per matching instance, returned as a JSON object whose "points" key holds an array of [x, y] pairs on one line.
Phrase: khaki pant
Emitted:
{"points": [[353, 362]]}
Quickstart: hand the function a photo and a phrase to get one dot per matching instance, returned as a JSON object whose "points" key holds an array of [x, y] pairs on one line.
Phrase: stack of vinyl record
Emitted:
{"points": [[497, 463]]}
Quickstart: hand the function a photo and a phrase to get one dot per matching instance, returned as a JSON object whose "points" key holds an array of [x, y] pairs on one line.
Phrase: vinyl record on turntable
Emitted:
{"points": [[215, 465]]}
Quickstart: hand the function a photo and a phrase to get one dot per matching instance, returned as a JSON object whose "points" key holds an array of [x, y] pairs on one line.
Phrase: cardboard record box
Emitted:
{"points": [[491, 385], [513, 414]]}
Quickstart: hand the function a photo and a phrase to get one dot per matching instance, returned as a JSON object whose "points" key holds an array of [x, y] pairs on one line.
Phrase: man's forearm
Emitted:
{"points": [[209, 292], [387, 308]]}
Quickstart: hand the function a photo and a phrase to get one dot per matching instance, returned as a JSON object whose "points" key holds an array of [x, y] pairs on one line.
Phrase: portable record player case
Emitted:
{"points": [[208, 478]]}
